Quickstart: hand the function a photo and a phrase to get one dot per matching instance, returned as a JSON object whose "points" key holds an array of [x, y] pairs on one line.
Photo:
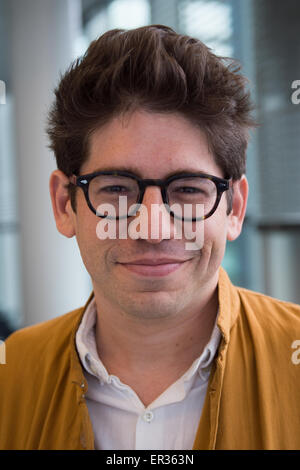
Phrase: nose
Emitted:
{"points": [[156, 224]]}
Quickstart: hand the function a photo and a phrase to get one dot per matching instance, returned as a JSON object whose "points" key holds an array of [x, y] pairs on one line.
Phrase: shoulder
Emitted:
{"points": [[45, 340], [37, 380], [256, 312], [256, 303], [268, 320]]}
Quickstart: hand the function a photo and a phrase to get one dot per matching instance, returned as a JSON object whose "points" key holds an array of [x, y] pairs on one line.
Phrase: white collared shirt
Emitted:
{"points": [[119, 418]]}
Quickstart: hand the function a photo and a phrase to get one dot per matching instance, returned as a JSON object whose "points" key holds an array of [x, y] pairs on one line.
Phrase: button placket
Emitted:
{"points": [[148, 430], [148, 416]]}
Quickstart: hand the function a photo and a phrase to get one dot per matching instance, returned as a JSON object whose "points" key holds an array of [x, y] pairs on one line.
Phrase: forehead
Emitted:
{"points": [[151, 144]]}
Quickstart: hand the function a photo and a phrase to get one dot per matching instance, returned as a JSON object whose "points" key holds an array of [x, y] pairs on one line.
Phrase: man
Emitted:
{"points": [[166, 353]]}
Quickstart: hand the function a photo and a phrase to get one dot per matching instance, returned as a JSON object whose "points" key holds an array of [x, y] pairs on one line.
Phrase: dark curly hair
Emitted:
{"points": [[158, 70]]}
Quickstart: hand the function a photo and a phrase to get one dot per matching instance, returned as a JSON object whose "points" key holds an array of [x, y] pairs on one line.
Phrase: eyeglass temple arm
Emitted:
{"points": [[73, 179]]}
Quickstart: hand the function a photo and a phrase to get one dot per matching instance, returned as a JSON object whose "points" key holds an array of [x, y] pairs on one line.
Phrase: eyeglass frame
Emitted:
{"points": [[83, 182]]}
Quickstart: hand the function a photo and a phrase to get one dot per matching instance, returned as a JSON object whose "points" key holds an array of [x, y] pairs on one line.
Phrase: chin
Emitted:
{"points": [[150, 305]]}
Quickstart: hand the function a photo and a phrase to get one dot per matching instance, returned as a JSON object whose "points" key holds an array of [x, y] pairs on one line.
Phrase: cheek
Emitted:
{"points": [[91, 248], [215, 233]]}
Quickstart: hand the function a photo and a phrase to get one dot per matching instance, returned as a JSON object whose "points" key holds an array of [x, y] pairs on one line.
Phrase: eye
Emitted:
{"points": [[188, 189], [114, 189]]}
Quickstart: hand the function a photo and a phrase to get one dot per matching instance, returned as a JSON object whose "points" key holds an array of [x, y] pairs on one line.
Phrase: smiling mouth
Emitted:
{"points": [[153, 268]]}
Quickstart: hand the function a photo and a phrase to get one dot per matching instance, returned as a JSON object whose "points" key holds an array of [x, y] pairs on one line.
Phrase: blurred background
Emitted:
{"points": [[41, 272]]}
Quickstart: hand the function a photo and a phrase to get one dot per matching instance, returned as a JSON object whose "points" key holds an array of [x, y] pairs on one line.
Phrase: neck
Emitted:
{"points": [[128, 343]]}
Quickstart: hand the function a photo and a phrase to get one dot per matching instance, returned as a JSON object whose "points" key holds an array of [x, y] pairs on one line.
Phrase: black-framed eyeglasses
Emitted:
{"points": [[181, 193]]}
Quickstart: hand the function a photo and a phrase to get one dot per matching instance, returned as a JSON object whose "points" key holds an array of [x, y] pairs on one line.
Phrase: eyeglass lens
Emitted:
{"points": [[183, 195]]}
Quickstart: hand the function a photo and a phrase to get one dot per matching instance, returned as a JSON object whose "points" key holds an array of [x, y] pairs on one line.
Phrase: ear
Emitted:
{"points": [[239, 205], [61, 204]]}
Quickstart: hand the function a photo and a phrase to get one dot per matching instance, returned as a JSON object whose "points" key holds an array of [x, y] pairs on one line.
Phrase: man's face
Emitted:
{"points": [[152, 146]]}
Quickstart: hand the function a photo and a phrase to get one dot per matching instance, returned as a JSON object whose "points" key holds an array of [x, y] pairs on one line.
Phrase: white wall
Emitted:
{"points": [[54, 279]]}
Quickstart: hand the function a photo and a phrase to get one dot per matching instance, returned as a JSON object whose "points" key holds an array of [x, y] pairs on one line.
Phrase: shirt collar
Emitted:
{"points": [[86, 344]]}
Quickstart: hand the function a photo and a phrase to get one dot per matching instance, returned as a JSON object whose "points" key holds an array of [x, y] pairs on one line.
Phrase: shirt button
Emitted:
{"points": [[148, 416]]}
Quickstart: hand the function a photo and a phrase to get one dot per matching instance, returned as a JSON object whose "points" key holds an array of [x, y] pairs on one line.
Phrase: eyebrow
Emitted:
{"points": [[136, 172]]}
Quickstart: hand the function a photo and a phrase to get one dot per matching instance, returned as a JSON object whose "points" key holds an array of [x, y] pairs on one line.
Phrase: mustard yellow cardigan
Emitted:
{"points": [[252, 400]]}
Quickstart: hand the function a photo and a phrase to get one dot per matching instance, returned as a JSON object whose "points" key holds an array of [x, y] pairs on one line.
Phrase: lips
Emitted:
{"points": [[153, 267], [155, 261]]}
